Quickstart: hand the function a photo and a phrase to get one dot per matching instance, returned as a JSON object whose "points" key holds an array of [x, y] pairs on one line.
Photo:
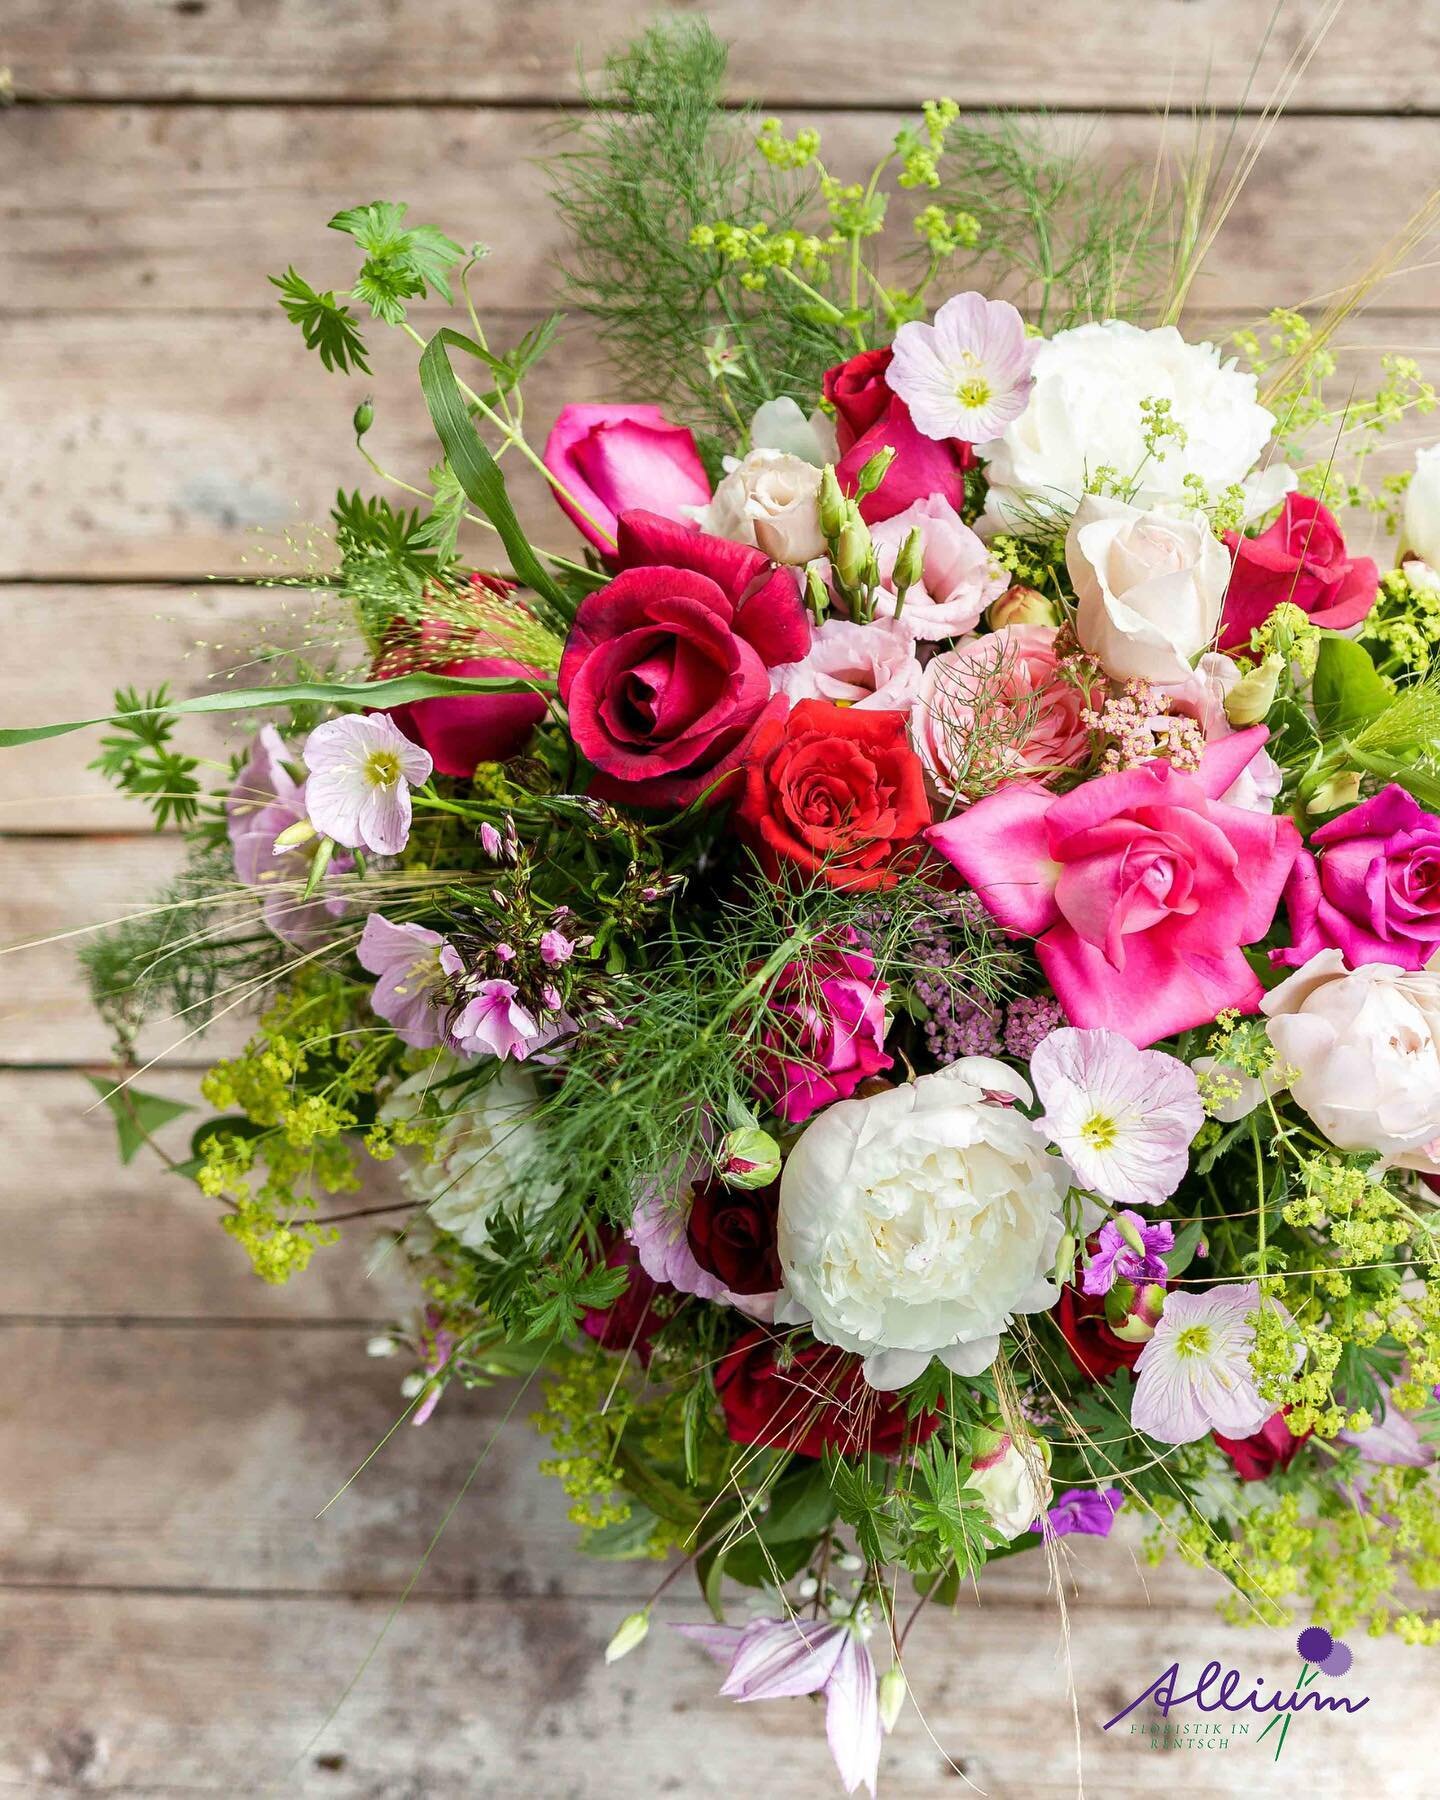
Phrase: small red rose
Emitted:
{"points": [[868, 416], [810, 1399], [732, 1235], [1273, 1447]]}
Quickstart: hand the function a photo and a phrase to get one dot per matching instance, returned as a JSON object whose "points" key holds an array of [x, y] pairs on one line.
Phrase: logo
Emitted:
{"points": [[1219, 1690]]}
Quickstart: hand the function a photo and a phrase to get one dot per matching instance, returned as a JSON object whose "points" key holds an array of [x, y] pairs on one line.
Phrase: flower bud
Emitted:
{"points": [[749, 1158], [874, 472], [1133, 1313], [300, 832], [1254, 694], [364, 417], [817, 595], [831, 504], [891, 1693], [1128, 1230], [852, 552], [1335, 792], [1065, 1259], [632, 1630], [1021, 606], [910, 562]]}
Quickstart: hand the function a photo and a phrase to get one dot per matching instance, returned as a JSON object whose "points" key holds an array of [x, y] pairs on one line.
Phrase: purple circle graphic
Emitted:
{"points": [[1314, 1643], [1338, 1662]]}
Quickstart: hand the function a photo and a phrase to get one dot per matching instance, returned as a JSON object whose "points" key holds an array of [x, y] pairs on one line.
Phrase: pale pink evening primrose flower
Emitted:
{"points": [[777, 1659], [1122, 1118], [362, 768], [265, 800], [1194, 1375], [966, 375], [406, 959], [1117, 1259]]}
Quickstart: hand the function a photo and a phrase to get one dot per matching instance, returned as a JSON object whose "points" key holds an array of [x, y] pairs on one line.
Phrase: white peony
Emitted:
{"points": [[770, 500], [780, 425], [1084, 414], [477, 1162], [1013, 1479], [916, 1222], [1364, 1047], [1422, 507], [1150, 586]]}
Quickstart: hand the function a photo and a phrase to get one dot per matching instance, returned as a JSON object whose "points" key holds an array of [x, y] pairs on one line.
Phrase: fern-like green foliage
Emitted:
{"points": [[654, 157]]}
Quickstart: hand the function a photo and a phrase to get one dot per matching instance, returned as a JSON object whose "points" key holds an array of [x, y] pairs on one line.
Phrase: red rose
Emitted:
{"points": [[666, 670], [629, 1322], [868, 416], [1274, 1446], [818, 1400], [732, 1235], [460, 730], [835, 790], [1300, 558], [1094, 1347]]}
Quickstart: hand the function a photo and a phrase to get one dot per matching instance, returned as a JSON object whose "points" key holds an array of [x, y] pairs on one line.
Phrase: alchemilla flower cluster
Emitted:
{"points": [[901, 968]]}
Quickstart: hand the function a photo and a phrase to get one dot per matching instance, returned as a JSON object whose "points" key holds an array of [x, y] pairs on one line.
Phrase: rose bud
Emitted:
{"points": [[1132, 1313], [749, 1158], [1021, 606]]}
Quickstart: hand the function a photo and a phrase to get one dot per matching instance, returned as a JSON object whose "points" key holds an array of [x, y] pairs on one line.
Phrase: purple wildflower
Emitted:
{"points": [[1087, 1511], [1117, 1259]]}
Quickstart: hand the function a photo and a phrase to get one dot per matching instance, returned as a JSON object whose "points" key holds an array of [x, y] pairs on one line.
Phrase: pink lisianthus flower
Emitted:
{"points": [[362, 768], [1202, 698], [958, 577], [1122, 1118], [1194, 1375], [825, 1030], [406, 958], [613, 458], [778, 1659], [1140, 887], [1372, 888], [967, 374], [871, 665], [265, 800], [998, 703]]}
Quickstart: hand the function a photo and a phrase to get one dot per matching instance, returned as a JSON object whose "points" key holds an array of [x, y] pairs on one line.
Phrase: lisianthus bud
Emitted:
{"points": [[749, 1158], [891, 1693], [1065, 1259], [1132, 1313], [1127, 1229], [632, 1630], [1335, 792], [1254, 694], [909, 563], [874, 472], [831, 504], [364, 417], [817, 595], [852, 552], [1021, 606]]}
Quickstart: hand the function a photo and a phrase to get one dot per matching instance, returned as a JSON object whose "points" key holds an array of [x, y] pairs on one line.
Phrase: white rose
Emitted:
{"points": [[769, 500], [1150, 585], [475, 1165], [1084, 414], [1365, 1046], [871, 665], [1013, 1479], [916, 1222], [1422, 507]]}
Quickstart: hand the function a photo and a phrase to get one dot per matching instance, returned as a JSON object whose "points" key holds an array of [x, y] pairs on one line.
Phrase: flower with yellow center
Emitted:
{"points": [[361, 769]]}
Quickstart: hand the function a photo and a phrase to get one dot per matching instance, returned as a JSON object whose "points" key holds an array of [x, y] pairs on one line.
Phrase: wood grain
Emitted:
{"points": [[1377, 58]]}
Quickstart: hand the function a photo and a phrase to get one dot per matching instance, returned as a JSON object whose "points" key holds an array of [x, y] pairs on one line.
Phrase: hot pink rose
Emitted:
{"points": [[868, 416], [612, 458], [1373, 890], [826, 1030], [1300, 558], [1011, 680], [1140, 887], [666, 671]]}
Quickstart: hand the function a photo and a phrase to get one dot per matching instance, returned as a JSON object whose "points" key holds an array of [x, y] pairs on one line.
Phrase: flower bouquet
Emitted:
{"points": [[893, 980]]}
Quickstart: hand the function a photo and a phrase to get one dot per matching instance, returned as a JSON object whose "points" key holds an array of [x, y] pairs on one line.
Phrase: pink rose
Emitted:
{"points": [[1300, 558], [957, 581], [1373, 891], [666, 672], [855, 665], [1140, 887], [612, 458], [1011, 681], [826, 1030]]}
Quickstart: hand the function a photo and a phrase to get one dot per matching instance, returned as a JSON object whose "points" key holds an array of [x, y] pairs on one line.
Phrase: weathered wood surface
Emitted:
{"points": [[1114, 53]]}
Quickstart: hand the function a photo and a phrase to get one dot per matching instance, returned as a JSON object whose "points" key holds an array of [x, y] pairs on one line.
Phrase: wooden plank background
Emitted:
{"points": [[174, 1618]]}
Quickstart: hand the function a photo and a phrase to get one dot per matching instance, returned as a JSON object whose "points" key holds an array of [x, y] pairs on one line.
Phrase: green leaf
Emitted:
{"points": [[327, 325], [441, 530], [137, 1115], [399, 690], [400, 264], [802, 1504], [624, 1540], [477, 471], [1348, 691], [1187, 1242]]}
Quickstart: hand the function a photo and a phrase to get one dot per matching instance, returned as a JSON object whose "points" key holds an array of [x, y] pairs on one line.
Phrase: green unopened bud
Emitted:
{"points": [[891, 1693], [632, 1630], [1335, 792], [364, 417], [910, 562], [817, 595], [749, 1158], [1021, 606], [874, 472], [1254, 694], [1065, 1259], [319, 863], [300, 832], [1140, 1313], [831, 504], [852, 553], [1128, 1230]]}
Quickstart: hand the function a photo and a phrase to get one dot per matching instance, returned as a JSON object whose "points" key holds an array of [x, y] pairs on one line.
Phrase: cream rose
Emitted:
{"points": [[917, 1222], [1150, 586], [1364, 1047], [769, 500]]}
